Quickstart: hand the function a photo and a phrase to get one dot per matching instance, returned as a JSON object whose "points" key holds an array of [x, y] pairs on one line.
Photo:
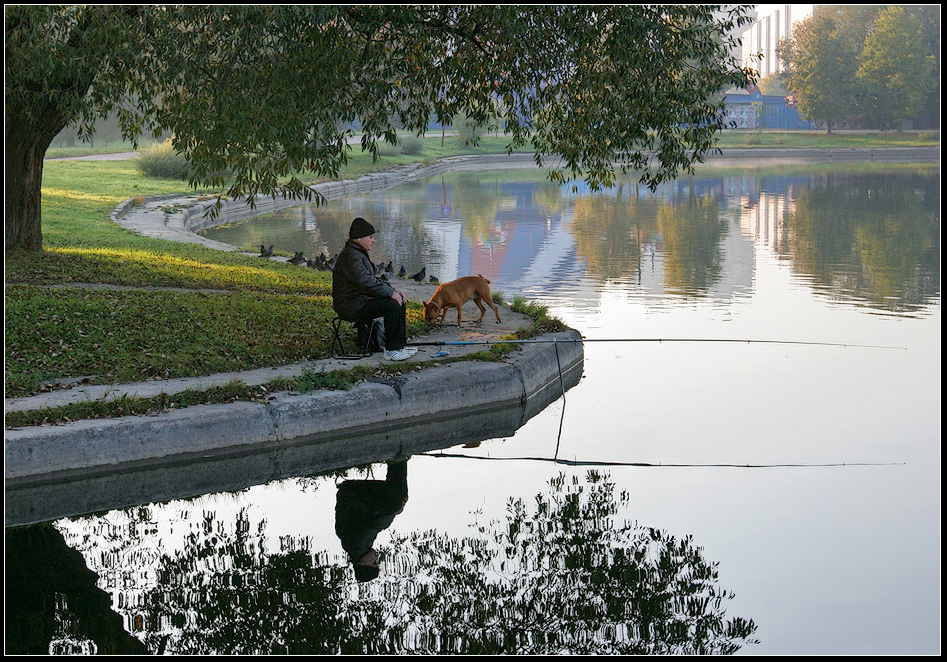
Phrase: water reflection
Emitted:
{"points": [[563, 572], [363, 508], [28, 501], [875, 237], [864, 237], [53, 603]]}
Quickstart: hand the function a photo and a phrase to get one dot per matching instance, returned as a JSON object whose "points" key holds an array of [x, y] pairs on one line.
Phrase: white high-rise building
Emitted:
{"points": [[773, 23]]}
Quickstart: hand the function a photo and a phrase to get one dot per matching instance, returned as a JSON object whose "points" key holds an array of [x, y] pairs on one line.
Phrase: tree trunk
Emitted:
{"points": [[34, 118], [28, 138]]}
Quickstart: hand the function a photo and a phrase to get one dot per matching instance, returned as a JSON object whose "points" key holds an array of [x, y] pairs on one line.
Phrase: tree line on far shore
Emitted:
{"points": [[878, 65]]}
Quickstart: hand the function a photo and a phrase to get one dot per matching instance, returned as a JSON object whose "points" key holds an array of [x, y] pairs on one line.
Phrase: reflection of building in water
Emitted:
{"points": [[554, 259], [488, 251], [764, 221], [444, 238], [526, 250]]}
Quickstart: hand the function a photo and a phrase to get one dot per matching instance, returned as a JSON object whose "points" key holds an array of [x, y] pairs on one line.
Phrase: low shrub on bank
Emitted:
{"points": [[162, 161]]}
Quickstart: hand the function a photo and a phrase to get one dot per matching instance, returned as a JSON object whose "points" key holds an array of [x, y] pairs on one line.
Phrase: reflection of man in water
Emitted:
{"points": [[363, 508]]}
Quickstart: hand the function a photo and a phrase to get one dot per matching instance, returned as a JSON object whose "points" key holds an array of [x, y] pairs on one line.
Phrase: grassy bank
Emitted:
{"points": [[748, 138], [170, 309]]}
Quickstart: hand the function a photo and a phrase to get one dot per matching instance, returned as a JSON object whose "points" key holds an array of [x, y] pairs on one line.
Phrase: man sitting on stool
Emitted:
{"points": [[360, 296]]}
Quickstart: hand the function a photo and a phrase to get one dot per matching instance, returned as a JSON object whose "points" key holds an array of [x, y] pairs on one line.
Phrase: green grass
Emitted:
{"points": [[162, 323], [127, 406], [493, 144], [749, 138]]}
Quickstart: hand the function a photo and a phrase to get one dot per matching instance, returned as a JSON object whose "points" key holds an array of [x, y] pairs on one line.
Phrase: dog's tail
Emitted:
{"points": [[481, 275]]}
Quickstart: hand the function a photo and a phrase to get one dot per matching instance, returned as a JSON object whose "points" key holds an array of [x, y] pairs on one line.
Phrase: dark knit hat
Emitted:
{"points": [[360, 228]]}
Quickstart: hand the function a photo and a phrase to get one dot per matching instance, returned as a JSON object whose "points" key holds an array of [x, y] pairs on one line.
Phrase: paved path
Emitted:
{"points": [[116, 156]]}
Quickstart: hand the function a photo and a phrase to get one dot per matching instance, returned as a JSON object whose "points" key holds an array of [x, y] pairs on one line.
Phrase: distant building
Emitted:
{"points": [[773, 24], [757, 111]]}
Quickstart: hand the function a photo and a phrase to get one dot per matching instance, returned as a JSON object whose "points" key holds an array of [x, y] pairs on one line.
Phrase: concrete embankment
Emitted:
{"points": [[100, 443], [50, 470]]}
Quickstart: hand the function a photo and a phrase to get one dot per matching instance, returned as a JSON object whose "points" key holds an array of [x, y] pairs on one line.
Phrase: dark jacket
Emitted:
{"points": [[354, 281]]}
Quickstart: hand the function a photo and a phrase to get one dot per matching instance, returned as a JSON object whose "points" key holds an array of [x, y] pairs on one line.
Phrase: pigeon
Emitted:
{"points": [[389, 269], [419, 277], [266, 252], [298, 258], [402, 273], [433, 280]]}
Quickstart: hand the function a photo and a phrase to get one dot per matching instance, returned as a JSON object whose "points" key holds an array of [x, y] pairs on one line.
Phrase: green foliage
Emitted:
{"points": [[128, 406], [312, 379], [873, 63], [774, 85], [467, 131], [542, 322], [894, 67], [412, 145], [822, 71]]}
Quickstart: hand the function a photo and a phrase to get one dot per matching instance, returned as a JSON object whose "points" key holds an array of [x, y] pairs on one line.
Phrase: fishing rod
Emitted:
{"points": [[597, 463], [444, 343]]}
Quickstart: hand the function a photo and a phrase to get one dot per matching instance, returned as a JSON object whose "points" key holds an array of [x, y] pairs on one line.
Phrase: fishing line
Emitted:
{"points": [[441, 343], [562, 415], [658, 465], [556, 341]]}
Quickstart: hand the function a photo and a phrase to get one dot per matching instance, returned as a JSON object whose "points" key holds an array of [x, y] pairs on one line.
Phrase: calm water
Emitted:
{"points": [[749, 498]]}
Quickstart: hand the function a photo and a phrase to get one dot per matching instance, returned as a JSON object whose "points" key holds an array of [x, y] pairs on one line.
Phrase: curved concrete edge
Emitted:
{"points": [[108, 445], [68, 494]]}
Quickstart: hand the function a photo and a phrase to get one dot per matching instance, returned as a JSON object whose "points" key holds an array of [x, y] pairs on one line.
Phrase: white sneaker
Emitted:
{"points": [[398, 354]]}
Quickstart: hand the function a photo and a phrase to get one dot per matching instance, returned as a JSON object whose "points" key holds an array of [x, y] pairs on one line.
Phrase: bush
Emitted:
{"points": [[412, 146], [387, 149], [465, 133], [160, 160]]}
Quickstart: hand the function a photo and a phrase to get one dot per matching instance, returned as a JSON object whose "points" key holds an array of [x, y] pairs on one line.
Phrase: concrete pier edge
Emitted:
{"points": [[37, 453]]}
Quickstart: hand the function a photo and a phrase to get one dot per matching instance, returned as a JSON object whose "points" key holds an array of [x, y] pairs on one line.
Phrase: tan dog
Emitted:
{"points": [[455, 294]]}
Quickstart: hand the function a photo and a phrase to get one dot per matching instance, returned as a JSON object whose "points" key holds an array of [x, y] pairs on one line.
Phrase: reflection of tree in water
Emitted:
{"points": [[53, 604], [607, 234], [874, 237], [692, 232], [562, 576], [478, 200]]}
